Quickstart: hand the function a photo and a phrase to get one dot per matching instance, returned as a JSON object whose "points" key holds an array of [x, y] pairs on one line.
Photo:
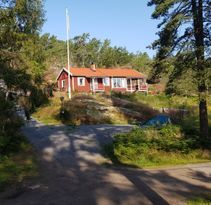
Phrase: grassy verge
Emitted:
{"points": [[17, 159], [81, 109], [49, 113], [17, 166], [200, 201], [159, 101], [153, 147]]}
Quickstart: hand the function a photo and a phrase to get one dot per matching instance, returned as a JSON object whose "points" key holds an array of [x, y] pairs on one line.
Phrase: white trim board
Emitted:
{"points": [[63, 69]]}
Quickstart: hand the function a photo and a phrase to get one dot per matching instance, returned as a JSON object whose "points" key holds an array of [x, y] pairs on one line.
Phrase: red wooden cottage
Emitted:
{"points": [[102, 80]]}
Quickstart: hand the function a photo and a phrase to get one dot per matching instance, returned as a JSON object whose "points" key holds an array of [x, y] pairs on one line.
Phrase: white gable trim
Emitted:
{"points": [[63, 69]]}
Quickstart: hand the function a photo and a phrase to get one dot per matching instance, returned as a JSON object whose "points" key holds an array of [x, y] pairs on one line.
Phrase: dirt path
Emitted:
{"points": [[73, 172]]}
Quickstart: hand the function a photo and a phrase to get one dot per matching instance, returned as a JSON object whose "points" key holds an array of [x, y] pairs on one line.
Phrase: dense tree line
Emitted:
{"points": [[85, 50]]}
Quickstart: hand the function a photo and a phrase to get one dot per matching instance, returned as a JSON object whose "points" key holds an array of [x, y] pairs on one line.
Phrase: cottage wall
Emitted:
{"points": [[85, 88], [63, 76]]}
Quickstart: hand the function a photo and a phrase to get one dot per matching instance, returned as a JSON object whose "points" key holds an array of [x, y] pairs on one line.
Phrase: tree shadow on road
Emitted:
{"points": [[71, 172]]}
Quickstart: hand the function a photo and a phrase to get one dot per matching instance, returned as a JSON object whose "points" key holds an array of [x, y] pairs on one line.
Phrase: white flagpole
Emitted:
{"points": [[68, 53]]}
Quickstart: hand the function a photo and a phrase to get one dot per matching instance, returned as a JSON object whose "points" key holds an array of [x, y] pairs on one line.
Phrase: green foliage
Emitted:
{"points": [[55, 51], [20, 22], [168, 138], [10, 137], [33, 55], [22, 66], [201, 200], [85, 109], [159, 101], [142, 62], [182, 78], [23, 16], [14, 168], [84, 50], [14, 78], [189, 42], [156, 147], [22, 53]]}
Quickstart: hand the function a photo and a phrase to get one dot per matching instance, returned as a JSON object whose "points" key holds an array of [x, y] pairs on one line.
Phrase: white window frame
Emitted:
{"points": [[83, 81], [63, 83], [122, 82], [106, 81]]}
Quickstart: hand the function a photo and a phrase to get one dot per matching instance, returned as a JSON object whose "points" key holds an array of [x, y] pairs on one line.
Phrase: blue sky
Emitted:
{"points": [[126, 23]]}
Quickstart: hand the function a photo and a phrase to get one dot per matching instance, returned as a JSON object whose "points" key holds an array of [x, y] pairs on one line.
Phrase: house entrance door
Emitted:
{"points": [[135, 84]]}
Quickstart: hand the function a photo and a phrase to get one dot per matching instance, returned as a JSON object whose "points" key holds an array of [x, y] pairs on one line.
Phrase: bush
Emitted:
{"points": [[37, 98], [17, 160], [151, 147], [168, 138], [10, 124]]}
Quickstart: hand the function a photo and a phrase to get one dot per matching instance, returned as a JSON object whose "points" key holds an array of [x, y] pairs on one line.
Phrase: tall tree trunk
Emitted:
{"points": [[197, 10]]}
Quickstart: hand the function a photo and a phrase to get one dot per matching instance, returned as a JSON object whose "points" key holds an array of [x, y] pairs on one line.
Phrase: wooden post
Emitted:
{"points": [[139, 84], [131, 86], [93, 87], [73, 85]]}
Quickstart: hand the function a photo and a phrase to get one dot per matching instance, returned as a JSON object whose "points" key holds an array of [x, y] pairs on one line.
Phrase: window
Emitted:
{"points": [[119, 83], [81, 81], [106, 81], [63, 83]]}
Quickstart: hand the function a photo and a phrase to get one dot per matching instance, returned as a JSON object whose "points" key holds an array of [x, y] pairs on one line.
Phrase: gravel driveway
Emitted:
{"points": [[73, 172]]}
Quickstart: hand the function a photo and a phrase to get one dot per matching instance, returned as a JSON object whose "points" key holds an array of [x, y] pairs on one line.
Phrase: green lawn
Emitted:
{"points": [[153, 147], [17, 166], [159, 101], [49, 113], [206, 200]]}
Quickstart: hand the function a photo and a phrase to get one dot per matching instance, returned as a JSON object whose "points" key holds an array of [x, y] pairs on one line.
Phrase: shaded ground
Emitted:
{"points": [[72, 172]]}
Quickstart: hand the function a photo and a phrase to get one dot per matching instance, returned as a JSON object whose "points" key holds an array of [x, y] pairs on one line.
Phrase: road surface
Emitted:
{"points": [[74, 172]]}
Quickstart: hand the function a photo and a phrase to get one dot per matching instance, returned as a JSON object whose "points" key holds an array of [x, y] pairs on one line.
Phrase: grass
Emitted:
{"points": [[206, 200], [159, 101], [189, 123], [182, 140], [93, 109], [17, 166], [49, 113], [119, 108], [154, 147], [81, 109]]}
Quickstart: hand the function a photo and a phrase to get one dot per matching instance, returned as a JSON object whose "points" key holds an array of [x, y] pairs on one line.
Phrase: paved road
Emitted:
{"points": [[73, 172]]}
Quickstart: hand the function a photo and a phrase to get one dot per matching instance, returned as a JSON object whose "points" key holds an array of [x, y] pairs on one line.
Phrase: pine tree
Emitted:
{"points": [[185, 31]]}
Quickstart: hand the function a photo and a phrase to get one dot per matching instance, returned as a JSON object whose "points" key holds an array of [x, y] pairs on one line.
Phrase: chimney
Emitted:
{"points": [[93, 67]]}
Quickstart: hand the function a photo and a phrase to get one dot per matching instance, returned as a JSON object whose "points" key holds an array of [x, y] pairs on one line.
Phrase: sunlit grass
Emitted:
{"points": [[81, 109], [49, 113], [203, 200], [154, 147], [160, 101], [17, 166]]}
